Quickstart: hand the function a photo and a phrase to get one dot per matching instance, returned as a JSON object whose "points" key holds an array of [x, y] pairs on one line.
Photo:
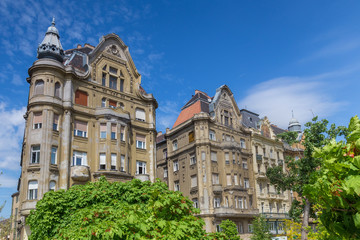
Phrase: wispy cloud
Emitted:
{"points": [[167, 114], [306, 96], [7, 181]]}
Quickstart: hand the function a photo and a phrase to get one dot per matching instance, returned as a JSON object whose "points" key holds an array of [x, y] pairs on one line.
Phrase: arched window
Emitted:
{"points": [[39, 87], [33, 190], [57, 91], [52, 186], [103, 102]]}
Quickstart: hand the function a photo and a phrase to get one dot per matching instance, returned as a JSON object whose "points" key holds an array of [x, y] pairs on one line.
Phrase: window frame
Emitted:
{"points": [[33, 192], [53, 156], [82, 157], [35, 154], [140, 165]]}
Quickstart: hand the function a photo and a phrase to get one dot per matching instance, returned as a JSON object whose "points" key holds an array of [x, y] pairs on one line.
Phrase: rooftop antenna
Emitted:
{"points": [[292, 113], [53, 21]]}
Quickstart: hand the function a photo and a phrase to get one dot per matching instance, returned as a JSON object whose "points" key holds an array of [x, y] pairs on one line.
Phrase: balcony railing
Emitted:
{"points": [[259, 157], [275, 215]]}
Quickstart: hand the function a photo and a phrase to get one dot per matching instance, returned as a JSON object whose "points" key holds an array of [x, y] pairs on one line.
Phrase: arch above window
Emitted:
{"points": [[57, 90], [39, 87]]}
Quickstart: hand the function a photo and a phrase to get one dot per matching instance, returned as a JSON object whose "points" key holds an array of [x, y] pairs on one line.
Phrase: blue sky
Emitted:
{"points": [[276, 56]]}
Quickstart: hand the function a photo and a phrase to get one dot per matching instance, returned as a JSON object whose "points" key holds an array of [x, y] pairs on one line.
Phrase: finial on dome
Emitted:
{"points": [[51, 47], [294, 125], [292, 113], [53, 22]]}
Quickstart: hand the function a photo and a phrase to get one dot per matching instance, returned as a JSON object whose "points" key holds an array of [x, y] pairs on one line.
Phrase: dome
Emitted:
{"points": [[51, 47], [294, 125]]}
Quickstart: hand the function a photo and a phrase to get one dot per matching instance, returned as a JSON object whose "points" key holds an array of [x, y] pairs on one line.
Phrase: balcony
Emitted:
{"points": [[142, 177], [230, 145], [260, 175], [274, 196], [259, 157], [234, 212], [217, 188], [251, 191], [80, 173], [272, 215]]}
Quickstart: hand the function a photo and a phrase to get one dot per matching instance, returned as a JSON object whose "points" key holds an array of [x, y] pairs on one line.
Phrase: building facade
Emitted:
{"points": [[207, 156], [87, 116]]}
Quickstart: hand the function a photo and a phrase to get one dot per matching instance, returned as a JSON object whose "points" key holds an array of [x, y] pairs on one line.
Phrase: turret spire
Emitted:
{"points": [[51, 47]]}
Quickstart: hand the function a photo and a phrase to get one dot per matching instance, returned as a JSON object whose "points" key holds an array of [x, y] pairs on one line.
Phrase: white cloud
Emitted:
{"points": [[167, 114], [306, 96], [11, 133], [7, 181]]}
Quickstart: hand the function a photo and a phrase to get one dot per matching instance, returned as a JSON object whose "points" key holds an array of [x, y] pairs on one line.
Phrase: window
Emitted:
{"points": [[226, 204], [80, 128], [37, 120], [176, 166], [81, 98], [140, 167], [228, 179], [140, 114], [227, 158], [112, 104], [262, 207], [217, 202], [271, 153], [103, 102], [236, 182], [226, 118], [165, 154], [241, 228], [271, 226], [102, 130], [165, 172], [195, 202], [240, 204], [192, 159], [57, 91], [218, 228], [233, 156], [113, 70], [212, 135], [215, 178], [122, 163], [122, 106], [250, 228], [268, 188], [203, 155], [33, 189], [56, 122], [39, 87], [113, 131], [191, 137], [103, 82], [246, 183], [79, 158], [140, 141], [245, 203], [242, 143], [194, 181], [113, 161], [122, 134], [35, 154], [261, 187], [52, 185], [213, 156], [175, 145], [113, 82], [227, 138], [176, 186], [121, 85], [250, 201], [244, 163], [53, 155]]}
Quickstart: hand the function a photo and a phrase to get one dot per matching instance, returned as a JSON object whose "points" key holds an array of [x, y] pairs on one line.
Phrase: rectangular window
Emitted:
{"points": [[102, 130], [244, 163], [233, 157], [53, 155], [121, 85], [215, 178], [113, 131], [213, 156], [113, 161], [140, 114], [81, 98], [192, 159], [176, 186], [203, 155], [35, 154], [228, 179], [103, 82], [228, 138], [80, 128], [113, 70], [212, 135], [175, 145], [113, 82], [122, 163], [140, 167], [245, 203], [112, 104], [227, 161], [79, 158], [240, 199], [122, 133], [102, 161], [37, 120], [241, 228], [195, 202], [217, 202], [56, 122], [165, 153], [140, 141], [165, 172], [33, 190], [236, 182], [246, 183], [242, 143], [176, 166], [250, 228], [194, 181], [191, 137]]}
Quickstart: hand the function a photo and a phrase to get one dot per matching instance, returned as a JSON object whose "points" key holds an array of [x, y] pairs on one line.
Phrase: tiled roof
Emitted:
{"points": [[277, 130], [249, 119], [160, 138], [77, 62]]}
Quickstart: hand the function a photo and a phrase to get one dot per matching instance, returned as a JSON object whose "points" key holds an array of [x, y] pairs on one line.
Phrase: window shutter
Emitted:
{"points": [[102, 158], [194, 181], [140, 138], [33, 184], [122, 162], [213, 156], [39, 87], [81, 98], [56, 119], [228, 179], [236, 180], [80, 125], [112, 103], [140, 114], [102, 127], [38, 117], [113, 127], [113, 159]]}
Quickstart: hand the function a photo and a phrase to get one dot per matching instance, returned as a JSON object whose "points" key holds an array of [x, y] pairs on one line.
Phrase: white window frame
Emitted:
{"points": [[102, 161], [113, 161], [217, 202], [141, 144], [52, 185], [140, 114], [165, 172], [82, 156], [192, 159], [176, 165], [140, 167], [33, 186], [175, 145], [122, 163], [213, 156], [35, 154], [242, 143], [80, 133], [103, 133], [215, 178], [176, 186], [212, 135], [246, 183], [194, 181], [195, 203], [53, 155]]}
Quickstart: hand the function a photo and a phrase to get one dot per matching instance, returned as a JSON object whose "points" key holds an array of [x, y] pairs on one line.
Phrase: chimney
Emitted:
{"points": [[159, 134], [79, 46]]}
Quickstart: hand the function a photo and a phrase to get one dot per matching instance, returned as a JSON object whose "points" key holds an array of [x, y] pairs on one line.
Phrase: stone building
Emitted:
{"points": [[87, 116], [207, 156], [267, 152]]}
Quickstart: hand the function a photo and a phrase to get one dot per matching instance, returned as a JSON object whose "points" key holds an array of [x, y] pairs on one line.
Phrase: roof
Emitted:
{"points": [[198, 103], [277, 130], [249, 119], [160, 138]]}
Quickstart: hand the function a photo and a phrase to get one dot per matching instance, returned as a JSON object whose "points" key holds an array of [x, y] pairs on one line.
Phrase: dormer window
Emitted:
{"points": [[111, 76]]}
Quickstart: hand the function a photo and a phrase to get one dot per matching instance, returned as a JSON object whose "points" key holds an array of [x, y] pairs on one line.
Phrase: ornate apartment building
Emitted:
{"points": [[87, 116], [207, 156]]}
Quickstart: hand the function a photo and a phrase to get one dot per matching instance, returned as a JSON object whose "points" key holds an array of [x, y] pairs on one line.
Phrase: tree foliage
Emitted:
{"points": [[260, 229], [336, 185], [103, 210], [228, 231]]}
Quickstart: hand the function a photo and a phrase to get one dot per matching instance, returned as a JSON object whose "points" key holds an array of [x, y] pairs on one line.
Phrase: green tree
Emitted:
{"points": [[298, 173], [228, 231], [260, 229], [336, 185], [103, 210]]}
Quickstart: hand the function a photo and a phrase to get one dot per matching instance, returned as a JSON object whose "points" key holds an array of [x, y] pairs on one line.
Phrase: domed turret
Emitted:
{"points": [[294, 125], [51, 46]]}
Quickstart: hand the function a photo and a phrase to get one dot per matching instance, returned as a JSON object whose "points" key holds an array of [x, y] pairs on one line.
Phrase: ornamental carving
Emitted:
{"points": [[113, 49]]}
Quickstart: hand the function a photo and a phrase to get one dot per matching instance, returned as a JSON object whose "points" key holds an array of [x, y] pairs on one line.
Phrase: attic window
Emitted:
{"points": [[113, 70], [250, 118]]}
